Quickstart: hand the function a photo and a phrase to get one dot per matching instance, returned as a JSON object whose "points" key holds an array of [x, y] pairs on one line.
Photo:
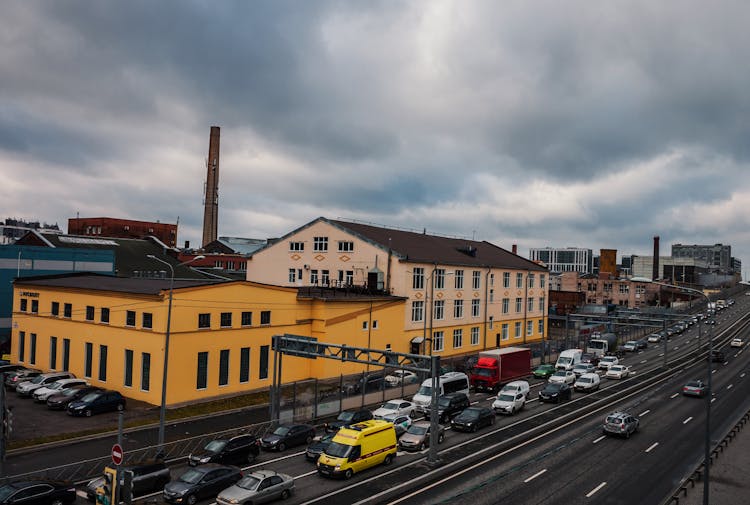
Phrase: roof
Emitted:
{"points": [[108, 283]]}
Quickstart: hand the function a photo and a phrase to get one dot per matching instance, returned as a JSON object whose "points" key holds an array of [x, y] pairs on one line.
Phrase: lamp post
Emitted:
{"points": [[709, 336], [163, 408]]}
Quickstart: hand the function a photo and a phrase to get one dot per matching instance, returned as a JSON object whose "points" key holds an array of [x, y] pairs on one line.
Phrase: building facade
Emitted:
{"points": [[606, 290], [123, 228], [718, 257], [569, 259]]}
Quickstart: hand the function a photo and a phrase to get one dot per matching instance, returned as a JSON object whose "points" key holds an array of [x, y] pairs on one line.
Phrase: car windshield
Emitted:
{"points": [[564, 360], [90, 397], [55, 386], [613, 420], [215, 445], [282, 430], [391, 406], [191, 476], [444, 402], [560, 374], [615, 368], [484, 372], [693, 384], [505, 398], [338, 450], [585, 380], [608, 358], [470, 413], [38, 379], [553, 386], [415, 429], [6, 491], [425, 391], [70, 391], [345, 416], [248, 482]]}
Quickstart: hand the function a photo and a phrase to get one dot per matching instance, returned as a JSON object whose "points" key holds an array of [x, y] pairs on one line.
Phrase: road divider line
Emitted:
{"points": [[600, 438], [660, 355], [687, 420], [306, 474], [713, 400], [644, 413], [597, 488], [713, 371], [643, 361], [675, 395], [729, 386], [653, 446], [742, 375], [540, 472]]}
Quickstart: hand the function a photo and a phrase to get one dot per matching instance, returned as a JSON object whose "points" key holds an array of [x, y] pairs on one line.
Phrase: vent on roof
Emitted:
{"points": [[469, 250]]}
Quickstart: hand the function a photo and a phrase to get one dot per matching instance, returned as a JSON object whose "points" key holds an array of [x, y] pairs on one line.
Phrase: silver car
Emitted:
{"points": [[260, 486]]}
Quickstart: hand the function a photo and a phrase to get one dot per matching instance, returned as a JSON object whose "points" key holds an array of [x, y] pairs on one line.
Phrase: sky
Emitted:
{"points": [[545, 123]]}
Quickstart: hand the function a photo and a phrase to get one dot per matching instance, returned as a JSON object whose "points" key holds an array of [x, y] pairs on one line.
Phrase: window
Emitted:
{"points": [[475, 335], [35, 306], [88, 356], [541, 327], [492, 296], [492, 279], [104, 315], [437, 341], [439, 278], [417, 278], [263, 365], [202, 372], [247, 319], [32, 348], [292, 275], [314, 277], [145, 371], [518, 329], [531, 280], [476, 279], [204, 321], [374, 324], [346, 246], [226, 319], [244, 364], [506, 305], [265, 317], [458, 309], [53, 353], [519, 280], [324, 277], [439, 310], [492, 319], [21, 344], [24, 304], [89, 313], [458, 281], [506, 279], [320, 244], [68, 310], [55, 310], [542, 281], [296, 246], [365, 325], [541, 304], [417, 311], [103, 363], [504, 331], [529, 328], [66, 354], [475, 307], [624, 289], [530, 304], [519, 304], [128, 368], [130, 318], [458, 338], [224, 367], [147, 320]]}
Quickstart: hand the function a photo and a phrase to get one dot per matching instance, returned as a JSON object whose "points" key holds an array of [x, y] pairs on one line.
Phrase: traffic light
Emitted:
{"points": [[107, 494]]}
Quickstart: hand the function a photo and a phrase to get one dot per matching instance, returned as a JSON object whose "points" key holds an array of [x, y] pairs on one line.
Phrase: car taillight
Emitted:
{"points": [[622, 426]]}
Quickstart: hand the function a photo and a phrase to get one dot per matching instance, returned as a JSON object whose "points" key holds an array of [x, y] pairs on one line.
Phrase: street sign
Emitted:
{"points": [[117, 454]]}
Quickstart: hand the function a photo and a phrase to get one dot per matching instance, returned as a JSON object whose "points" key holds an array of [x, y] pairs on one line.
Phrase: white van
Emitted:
{"points": [[587, 382], [517, 387], [568, 359], [451, 382]]}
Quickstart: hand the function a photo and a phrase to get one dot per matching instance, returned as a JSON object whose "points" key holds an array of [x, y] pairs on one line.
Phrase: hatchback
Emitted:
{"points": [[237, 450], [617, 372], [201, 482], [60, 401], [25, 389], [583, 368], [14, 378], [448, 406], [347, 418], [554, 392], [608, 361], [316, 448], [260, 486], [287, 435], [96, 402], [630, 346], [508, 403], [654, 338], [544, 371], [42, 393], [736, 342], [620, 423], [473, 418], [566, 376]]}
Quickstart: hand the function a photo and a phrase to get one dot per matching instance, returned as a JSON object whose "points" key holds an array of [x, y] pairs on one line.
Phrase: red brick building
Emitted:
{"points": [[123, 228]]}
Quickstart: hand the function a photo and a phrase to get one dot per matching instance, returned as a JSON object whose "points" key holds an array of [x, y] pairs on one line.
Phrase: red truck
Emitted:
{"points": [[498, 366]]}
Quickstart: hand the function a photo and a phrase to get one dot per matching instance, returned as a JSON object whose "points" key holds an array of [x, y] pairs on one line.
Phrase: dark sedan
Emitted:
{"points": [[473, 418], [237, 450], [315, 449], [60, 401], [554, 392], [37, 492], [201, 482], [287, 435], [96, 402]]}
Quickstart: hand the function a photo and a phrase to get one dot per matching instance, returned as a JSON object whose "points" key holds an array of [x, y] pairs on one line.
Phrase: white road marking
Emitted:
{"points": [[687, 420], [713, 371], [600, 438], [597, 488], [653, 446], [726, 362], [306, 474], [643, 361], [713, 400], [742, 375], [540, 472], [729, 386], [676, 348], [644, 413], [660, 355], [675, 395]]}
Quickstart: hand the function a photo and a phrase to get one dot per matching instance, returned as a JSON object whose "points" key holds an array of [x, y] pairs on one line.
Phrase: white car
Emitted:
{"points": [[654, 337], [517, 387], [587, 382], [398, 377], [608, 361], [41, 394], [508, 403], [736, 342], [617, 372], [396, 407], [566, 376], [400, 421]]}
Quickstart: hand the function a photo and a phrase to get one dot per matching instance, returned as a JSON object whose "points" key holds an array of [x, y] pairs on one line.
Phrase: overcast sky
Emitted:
{"points": [[581, 124]]}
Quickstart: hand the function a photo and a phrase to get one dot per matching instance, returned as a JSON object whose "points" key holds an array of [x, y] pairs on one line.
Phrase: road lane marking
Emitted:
{"points": [[653, 446], [687, 420], [676, 348], [600, 438], [726, 362], [742, 375], [644, 361], [644, 413], [306, 474], [713, 371], [729, 386], [597, 488], [660, 355], [675, 395], [713, 400], [540, 472]]}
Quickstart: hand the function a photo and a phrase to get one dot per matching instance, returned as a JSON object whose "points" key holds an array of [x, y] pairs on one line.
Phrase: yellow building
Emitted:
{"points": [[112, 331]]}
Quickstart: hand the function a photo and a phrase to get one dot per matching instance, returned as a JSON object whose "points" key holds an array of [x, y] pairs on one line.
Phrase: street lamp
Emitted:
{"points": [[163, 409], [709, 336]]}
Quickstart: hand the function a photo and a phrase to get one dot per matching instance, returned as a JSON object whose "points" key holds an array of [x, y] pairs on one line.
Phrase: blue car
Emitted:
{"points": [[95, 403]]}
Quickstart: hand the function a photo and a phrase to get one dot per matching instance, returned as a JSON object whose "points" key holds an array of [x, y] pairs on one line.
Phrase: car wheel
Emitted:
{"points": [[492, 420], [421, 447], [191, 499], [348, 474], [441, 437], [627, 434], [88, 413], [285, 494], [281, 446], [388, 460], [411, 414], [57, 502], [512, 411]]}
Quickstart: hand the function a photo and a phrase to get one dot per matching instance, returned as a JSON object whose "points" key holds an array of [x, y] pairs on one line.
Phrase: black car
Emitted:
{"points": [[315, 449], [554, 392], [347, 418], [37, 492], [448, 406], [590, 358], [60, 401], [149, 476], [237, 450], [287, 435], [641, 344], [201, 482], [96, 402], [473, 418], [368, 384], [7, 368]]}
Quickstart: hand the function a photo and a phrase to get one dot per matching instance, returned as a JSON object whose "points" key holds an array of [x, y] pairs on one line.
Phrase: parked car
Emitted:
{"points": [[260, 486], [287, 435], [448, 406], [544, 371], [400, 421], [566, 376], [554, 392], [417, 437], [13, 379], [41, 394], [473, 418], [590, 358], [25, 389], [399, 377], [736, 342], [149, 476], [37, 492], [346, 418], [630, 346], [236, 450], [367, 384], [509, 403], [695, 388], [316, 448], [60, 401], [398, 406], [620, 423], [7, 368], [201, 482], [608, 361], [96, 402], [587, 382], [583, 368], [617, 372]]}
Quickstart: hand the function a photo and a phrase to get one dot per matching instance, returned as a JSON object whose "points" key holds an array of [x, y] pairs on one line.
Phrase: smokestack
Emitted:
{"points": [[655, 273], [514, 249], [211, 203]]}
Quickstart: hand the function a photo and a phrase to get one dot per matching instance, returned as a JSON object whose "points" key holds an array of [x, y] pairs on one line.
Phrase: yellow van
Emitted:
{"points": [[358, 447]]}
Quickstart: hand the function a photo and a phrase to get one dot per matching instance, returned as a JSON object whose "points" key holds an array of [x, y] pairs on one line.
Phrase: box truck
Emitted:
{"points": [[601, 344], [498, 366]]}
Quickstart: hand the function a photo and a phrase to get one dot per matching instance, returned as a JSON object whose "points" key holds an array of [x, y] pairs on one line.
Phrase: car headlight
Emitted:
{"points": [[205, 459], [338, 467]]}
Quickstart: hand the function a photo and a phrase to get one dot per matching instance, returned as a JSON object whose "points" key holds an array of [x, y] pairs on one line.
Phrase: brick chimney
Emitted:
{"points": [[514, 249]]}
